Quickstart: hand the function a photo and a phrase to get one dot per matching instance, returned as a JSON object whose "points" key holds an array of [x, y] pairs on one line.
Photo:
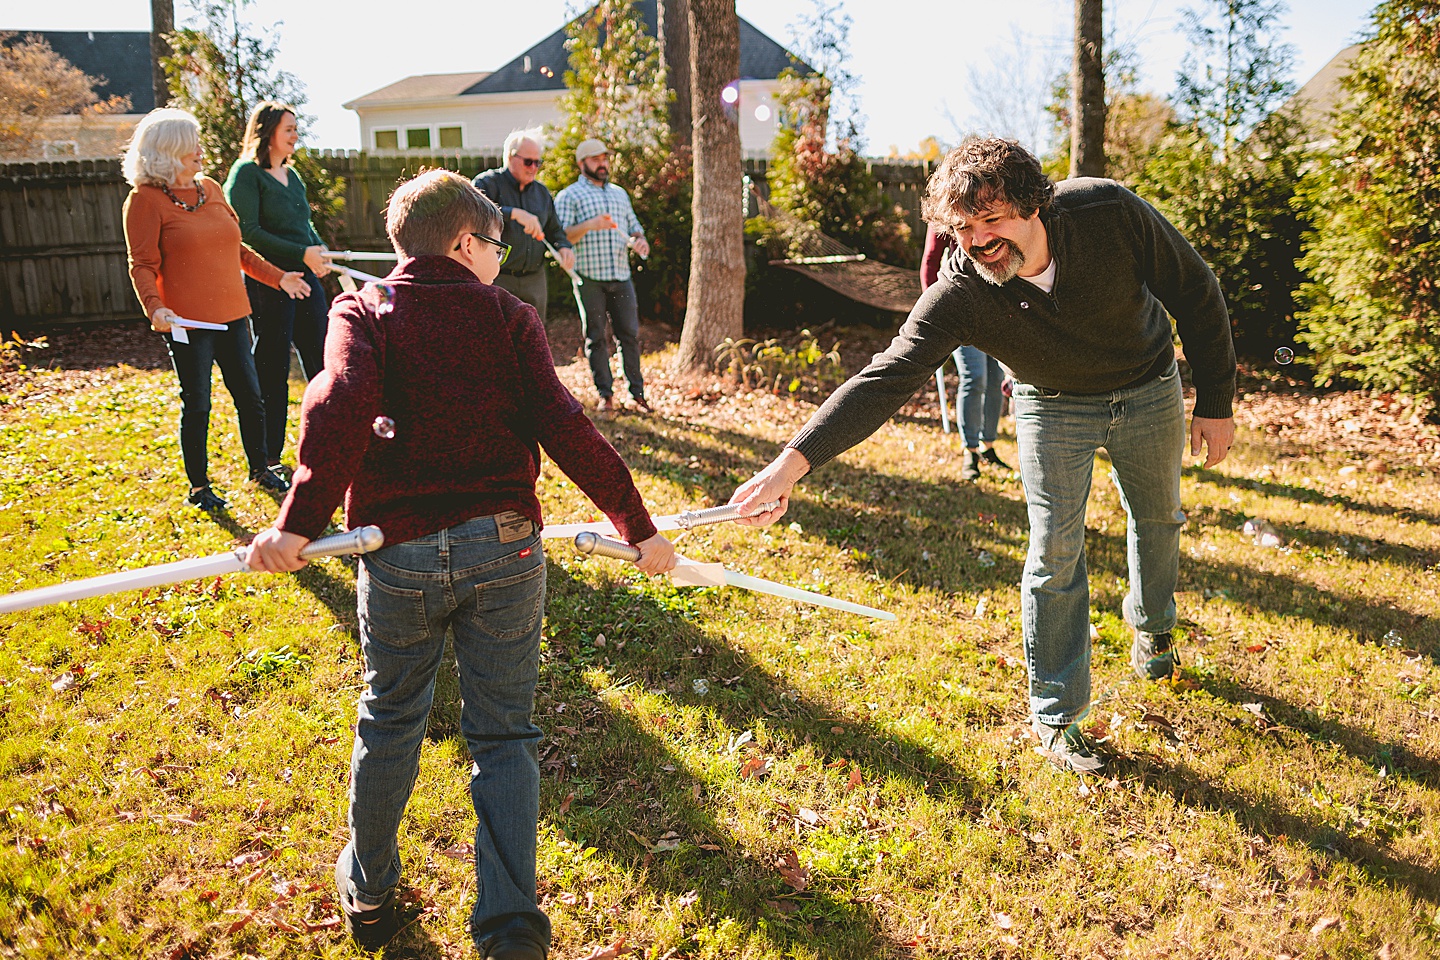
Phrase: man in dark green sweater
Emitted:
{"points": [[1073, 287]]}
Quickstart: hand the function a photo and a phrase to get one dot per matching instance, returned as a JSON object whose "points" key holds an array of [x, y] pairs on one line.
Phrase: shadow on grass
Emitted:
{"points": [[1300, 722], [1288, 491], [1267, 819], [630, 783]]}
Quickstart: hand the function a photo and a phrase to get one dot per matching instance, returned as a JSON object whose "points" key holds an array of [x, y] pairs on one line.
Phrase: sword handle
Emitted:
{"points": [[730, 511], [592, 544], [359, 540]]}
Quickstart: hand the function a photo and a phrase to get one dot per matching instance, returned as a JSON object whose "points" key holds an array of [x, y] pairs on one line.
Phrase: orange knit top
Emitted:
{"points": [[191, 261]]}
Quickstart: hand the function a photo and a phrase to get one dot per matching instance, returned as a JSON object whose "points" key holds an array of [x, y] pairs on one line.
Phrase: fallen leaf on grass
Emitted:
{"points": [[208, 896], [810, 817], [464, 852], [856, 781], [793, 872], [1256, 648], [783, 906], [754, 768], [1323, 924], [329, 924], [565, 805], [254, 856], [606, 953]]}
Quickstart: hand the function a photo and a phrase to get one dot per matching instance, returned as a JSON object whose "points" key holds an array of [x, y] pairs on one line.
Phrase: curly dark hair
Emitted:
{"points": [[983, 173]]}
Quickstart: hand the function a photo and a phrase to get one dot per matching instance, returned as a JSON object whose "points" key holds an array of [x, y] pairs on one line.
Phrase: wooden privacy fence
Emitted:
{"points": [[62, 242]]}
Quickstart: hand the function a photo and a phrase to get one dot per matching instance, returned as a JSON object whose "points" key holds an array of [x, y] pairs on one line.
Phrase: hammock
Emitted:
{"points": [[830, 262]]}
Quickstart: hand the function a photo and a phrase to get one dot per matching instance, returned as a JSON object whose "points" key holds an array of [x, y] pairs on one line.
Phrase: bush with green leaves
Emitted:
{"points": [[1372, 308]]}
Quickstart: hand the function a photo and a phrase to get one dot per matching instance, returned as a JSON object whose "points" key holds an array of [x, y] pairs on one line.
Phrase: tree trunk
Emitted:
{"points": [[715, 307], [162, 22], [674, 28], [1087, 93]]}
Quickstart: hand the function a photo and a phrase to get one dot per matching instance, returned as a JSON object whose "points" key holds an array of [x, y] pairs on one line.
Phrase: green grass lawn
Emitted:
{"points": [[728, 775]]}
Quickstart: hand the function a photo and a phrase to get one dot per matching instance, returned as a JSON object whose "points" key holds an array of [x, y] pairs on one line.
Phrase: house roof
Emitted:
{"points": [[425, 86], [119, 57], [543, 66], [1321, 94]]}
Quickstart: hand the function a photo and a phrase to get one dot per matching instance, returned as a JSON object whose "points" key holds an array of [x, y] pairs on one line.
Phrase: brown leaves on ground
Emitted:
{"points": [[606, 953], [793, 872], [1387, 426]]}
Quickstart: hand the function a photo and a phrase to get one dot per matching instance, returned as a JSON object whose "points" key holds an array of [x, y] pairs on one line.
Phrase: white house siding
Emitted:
{"points": [[485, 120]]}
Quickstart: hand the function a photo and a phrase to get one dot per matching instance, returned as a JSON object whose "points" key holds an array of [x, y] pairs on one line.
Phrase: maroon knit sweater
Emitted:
{"points": [[464, 370]]}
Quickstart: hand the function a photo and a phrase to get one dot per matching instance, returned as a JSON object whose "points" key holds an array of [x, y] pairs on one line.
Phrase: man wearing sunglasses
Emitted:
{"points": [[530, 219]]}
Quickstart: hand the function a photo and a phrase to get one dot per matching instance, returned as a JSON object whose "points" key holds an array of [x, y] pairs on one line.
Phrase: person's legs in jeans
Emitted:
{"points": [[590, 297], [500, 601], [237, 366], [1057, 436], [402, 605], [274, 314], [192, 362], [625, 318], [994, 400], [1146, 450], [974, 374]]}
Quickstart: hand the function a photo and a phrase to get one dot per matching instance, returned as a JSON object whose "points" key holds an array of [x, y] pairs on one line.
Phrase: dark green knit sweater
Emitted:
{"points": [[274, 218], [1120, 267]]}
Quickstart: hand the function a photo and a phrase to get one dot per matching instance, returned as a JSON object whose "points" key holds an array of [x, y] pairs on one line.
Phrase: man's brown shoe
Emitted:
{"points": [[643, 405], [607, 405]]}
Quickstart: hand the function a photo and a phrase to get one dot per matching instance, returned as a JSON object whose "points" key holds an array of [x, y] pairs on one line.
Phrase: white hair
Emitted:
{"points": [[161, 141], [512, 143]]}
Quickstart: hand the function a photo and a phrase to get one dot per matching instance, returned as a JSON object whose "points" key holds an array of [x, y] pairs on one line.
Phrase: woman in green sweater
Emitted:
{"points": [[269, 197]]}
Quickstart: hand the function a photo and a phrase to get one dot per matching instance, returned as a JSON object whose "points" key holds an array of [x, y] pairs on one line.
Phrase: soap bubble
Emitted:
{"points": [[762, 113], [731, 94], [1284, 355], [387, 298], [384, 428]]}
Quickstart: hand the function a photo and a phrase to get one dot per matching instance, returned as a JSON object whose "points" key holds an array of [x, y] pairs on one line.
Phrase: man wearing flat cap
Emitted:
{"points": [[600, 222]]}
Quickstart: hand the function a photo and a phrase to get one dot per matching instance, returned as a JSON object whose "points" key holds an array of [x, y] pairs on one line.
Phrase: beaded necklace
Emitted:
{"points": [[188, 207]]}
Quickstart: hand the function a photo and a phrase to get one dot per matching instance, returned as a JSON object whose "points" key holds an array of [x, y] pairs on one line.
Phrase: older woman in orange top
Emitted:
{"points": [[186, 259]]}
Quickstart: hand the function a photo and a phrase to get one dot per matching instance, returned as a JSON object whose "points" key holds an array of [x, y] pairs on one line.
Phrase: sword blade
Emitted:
{"points": [[685, 520], [747, 582], [157, 576]]}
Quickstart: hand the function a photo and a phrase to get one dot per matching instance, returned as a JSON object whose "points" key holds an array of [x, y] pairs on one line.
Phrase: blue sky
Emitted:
{"points": [[917, 60]]}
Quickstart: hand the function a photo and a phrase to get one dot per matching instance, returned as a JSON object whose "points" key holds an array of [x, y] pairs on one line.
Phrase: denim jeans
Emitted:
{"points": [[596, 298], [979, 398], [491, 596], [280, 322], [193, 362], [1143, 430]]}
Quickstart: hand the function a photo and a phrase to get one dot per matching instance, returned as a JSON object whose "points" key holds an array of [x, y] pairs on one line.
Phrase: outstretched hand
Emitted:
{"points": [[773, 484]]}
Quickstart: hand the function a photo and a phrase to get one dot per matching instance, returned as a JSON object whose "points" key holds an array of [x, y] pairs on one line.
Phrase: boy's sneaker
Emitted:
{"points": [[370, 929], [970, 466], [206, 500], [268, 480], [991, 457], [1153, 655], [1069, 748]]}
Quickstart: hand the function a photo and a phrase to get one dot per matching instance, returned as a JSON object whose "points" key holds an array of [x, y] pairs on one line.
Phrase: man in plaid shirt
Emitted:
{"points": [[600, 222]]}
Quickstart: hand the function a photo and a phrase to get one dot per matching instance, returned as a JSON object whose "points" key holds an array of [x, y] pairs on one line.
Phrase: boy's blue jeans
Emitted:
{"points": [[1143, 430], [491, 595]]}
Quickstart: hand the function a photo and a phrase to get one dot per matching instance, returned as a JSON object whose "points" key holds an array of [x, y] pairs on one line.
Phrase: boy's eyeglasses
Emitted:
{"points": [[530, 161], [504, 247]]}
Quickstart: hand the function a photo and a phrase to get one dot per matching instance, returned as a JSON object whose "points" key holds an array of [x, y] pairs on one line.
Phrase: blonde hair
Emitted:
{"points": [[154, 154], [426, 214]]}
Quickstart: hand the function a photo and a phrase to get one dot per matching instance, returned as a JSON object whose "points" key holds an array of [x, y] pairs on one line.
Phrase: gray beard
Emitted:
{"points": [[1007, 270]]}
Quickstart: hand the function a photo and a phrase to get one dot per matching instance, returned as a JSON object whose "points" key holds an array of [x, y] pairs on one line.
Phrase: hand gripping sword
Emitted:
{"points": [[359, 540], [688, 573]]}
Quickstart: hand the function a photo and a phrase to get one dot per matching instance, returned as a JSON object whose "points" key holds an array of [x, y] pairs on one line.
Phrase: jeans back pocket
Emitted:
{"points": [[392, 614], [509, 607]]}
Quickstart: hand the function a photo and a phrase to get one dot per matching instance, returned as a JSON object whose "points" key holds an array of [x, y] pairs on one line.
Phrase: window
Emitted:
{"points": [[60, 148], [387, 139], [452, 138], [417, 138]]}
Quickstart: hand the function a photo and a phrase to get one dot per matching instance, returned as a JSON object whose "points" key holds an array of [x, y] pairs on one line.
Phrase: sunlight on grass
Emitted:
{"points": [[728, 775]]}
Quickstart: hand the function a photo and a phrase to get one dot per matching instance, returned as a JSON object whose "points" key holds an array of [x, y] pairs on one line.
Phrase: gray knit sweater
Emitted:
{"points": [[1120, 267]]}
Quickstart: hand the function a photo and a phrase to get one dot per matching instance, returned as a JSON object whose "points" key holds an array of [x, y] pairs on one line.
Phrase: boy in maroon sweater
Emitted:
{"points": [[463, 371]]}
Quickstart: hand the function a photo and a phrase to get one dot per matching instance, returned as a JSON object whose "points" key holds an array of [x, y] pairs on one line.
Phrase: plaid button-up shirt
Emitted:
{"points": [[600, 254]]}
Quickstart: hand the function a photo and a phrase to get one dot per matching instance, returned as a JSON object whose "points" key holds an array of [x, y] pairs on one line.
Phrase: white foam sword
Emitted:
{"points": [[359, 540], [689, 573]]}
